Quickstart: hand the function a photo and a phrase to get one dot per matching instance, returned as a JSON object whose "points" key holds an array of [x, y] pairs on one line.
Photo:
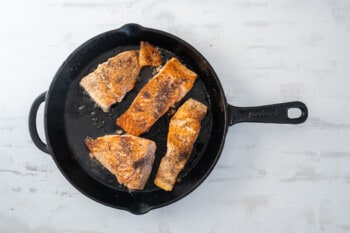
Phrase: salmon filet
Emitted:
{"points": [[165, 89], [184, 128], [149, 55], [113, 79], [128, 157]]}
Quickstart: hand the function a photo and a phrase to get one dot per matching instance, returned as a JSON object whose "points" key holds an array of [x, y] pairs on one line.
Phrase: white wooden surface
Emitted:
{"points": [[270, 178]]}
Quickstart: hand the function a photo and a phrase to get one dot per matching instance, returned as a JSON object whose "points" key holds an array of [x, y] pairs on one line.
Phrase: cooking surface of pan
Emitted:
{"points": [[82, 118]]}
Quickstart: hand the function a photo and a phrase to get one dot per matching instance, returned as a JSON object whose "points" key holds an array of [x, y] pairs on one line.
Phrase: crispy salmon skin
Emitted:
{"points": [[111, 80], [165, 89], [184, 128], [128, 157]]}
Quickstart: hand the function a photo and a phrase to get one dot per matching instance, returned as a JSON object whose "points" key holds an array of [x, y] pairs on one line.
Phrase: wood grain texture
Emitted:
{"points": [[270, 178]]}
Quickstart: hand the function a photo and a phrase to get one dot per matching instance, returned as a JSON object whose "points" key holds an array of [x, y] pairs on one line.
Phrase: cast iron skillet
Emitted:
{"points": [[70, 117]]}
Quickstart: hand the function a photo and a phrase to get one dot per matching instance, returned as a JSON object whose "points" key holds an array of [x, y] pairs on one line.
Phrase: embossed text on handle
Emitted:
{"points": [[262, 113]]}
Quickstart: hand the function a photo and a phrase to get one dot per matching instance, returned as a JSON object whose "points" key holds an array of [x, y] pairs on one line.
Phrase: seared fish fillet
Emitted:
{"points": [[111, 80], [127, 157], [184, 128], [149, 55], [165, 89]]}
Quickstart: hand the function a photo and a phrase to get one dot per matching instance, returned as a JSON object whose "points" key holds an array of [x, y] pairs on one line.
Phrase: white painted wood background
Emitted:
{"points": [[270, 178]]}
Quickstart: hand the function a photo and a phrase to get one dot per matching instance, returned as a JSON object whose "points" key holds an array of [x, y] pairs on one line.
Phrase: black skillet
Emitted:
{"points": [[70, 117]]}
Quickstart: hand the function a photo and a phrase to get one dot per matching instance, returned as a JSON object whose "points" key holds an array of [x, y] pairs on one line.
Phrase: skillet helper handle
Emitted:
{"points": [[32, 123], [275, 113]]}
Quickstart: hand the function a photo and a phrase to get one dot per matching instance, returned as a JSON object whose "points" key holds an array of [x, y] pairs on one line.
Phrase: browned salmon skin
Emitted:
{"points": [[149, 55], [111, 80], [165, 89], [128, 157], [184, 128]]}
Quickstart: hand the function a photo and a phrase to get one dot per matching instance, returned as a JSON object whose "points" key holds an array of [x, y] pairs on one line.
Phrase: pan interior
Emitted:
{"points": [[83, 119]]}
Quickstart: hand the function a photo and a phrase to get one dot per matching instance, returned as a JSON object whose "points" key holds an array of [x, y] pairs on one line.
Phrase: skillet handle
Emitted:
{"points": [[275, 113], [32, 123]]}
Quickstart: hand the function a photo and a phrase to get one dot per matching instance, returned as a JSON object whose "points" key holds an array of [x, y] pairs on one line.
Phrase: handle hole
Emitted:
{"points": [[294, 113], [39, 122]]}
